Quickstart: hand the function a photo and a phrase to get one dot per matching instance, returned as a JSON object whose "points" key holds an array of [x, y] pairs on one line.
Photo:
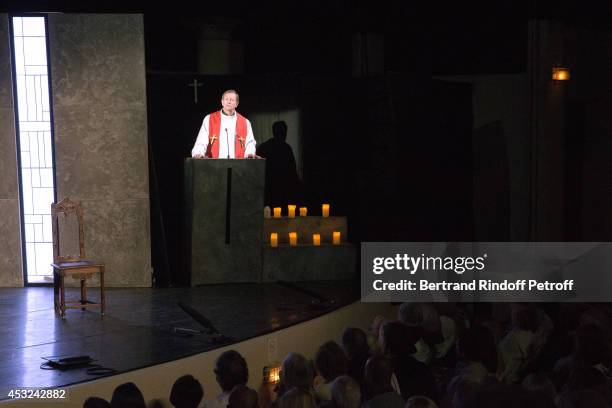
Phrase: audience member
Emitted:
{"points": [[591, 349], [355, 343], [419, 401], [127, 395], [539, 382], [377, 390], [231, 370], [96, 402], [392, 377], [186, 392], [414, 377], [441, 333], [296, 397], [477, 354], [374, 333], [330, 362], [296, 372], [582, 399], [345, 392], [411, 314], [519, 348], [507, 396], [242, 397]]}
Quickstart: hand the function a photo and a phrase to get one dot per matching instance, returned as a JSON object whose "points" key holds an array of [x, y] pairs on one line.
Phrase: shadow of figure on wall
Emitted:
{"points": [[283, 186]]}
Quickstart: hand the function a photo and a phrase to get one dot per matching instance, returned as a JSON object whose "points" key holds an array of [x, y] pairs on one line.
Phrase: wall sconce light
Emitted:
{"points": [[560, 74]]}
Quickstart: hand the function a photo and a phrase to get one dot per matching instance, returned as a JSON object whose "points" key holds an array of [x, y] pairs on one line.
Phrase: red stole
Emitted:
{"points": [[214, 132]]}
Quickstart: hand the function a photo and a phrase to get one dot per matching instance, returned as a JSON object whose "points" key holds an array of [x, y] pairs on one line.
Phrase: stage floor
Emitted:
{"points": [[138, 328]]}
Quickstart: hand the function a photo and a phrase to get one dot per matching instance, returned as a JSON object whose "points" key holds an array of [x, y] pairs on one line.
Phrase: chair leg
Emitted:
{"points": [[83, 293], [62, 295], [102, 291], [56, 290]]}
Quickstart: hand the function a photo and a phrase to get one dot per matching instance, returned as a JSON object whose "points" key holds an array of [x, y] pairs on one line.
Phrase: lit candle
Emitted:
{"points": [[336, 237], [291, 210], [316, 239], [303, 211], [325, 210], [274, 240], [277, 212], [292, 238]]}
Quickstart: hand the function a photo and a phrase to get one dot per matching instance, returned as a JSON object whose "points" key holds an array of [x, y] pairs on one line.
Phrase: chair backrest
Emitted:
{"points": [[67, 225]]}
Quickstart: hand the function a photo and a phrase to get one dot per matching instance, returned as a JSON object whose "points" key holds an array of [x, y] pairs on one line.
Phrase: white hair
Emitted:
{"points": [[345, 392]]}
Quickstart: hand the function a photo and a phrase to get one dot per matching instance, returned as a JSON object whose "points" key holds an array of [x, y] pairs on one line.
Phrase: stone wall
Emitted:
{"points": [[99, 101], [10, 246]]}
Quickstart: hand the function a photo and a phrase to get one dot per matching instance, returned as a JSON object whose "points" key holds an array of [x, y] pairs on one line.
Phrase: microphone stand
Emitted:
{"points": [[227, 142]]}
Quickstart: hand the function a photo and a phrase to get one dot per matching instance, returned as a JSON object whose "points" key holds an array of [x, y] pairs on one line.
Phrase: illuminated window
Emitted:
{"points": [[35, 144]]}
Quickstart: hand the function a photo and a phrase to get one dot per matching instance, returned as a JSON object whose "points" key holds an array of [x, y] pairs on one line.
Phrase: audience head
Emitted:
{"points": [[330, 361], [355, 342], [231, 370], [478, 345], [393, 339], [539, 382], [96, 402], [420, 401], [591, 344], [127, 395], [378, 373], [584, 378], [431, 318], [345, 392], [598, 316], [582, 399], [242, 397], [507, 396], [524, 316], [186, 392], [296, 398], [462, 391], [296, 372], [410, 313]]}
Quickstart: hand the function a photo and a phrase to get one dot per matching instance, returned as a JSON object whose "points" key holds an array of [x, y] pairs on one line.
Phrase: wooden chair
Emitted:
{"points": [[68, 239]]}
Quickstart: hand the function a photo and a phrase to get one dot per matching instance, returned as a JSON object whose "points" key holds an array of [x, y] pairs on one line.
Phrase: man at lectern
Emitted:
{"points": [[225, 134]]}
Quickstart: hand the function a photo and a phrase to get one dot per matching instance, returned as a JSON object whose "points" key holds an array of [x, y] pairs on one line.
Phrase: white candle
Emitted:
{"points": [[274, 240], [336, 237], [291, 211], [325, 210], [303, 211], [277, 212], [316, 239], [292, 238]]}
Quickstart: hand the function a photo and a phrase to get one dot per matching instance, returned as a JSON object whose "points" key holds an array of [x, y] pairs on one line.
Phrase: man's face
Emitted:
{"points": [[229, 101]]}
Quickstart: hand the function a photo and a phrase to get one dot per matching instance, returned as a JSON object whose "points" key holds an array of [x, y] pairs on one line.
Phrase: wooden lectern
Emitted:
{"points": [[224, 219]]}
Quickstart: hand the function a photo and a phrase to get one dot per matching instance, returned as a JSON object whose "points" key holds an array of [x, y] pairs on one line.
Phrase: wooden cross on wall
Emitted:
{"points": [[195, 85]]}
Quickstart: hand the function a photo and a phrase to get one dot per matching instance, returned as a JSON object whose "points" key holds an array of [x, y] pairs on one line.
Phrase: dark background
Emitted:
{"points": [[392, 152]]}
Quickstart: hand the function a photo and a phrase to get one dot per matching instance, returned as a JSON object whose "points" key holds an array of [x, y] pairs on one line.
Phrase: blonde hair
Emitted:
{"points": [[296, 398]]}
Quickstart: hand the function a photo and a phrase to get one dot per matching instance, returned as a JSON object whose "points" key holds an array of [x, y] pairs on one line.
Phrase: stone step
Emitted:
{"points": [[309, 263], [305, 227]]}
